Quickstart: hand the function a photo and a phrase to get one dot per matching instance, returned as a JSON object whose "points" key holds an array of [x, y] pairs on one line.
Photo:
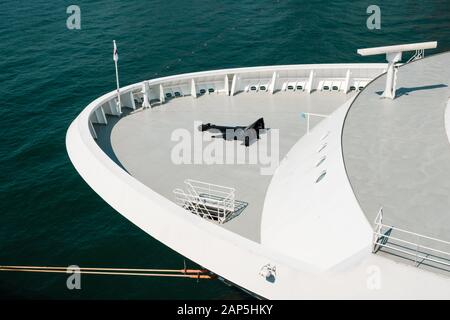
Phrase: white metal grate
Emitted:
{"points": [[207, 200]]}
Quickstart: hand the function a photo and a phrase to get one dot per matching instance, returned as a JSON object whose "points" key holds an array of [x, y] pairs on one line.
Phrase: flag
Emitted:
{"points": [[115, 54]]}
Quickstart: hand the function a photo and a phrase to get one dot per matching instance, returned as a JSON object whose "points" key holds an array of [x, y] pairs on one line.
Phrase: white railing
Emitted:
{"points": [[210, 201], [382, 238], [192, 83], [419, 54], [307, 115]]}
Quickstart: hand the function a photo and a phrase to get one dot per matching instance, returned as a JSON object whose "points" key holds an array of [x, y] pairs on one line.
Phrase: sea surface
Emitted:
{"points": [[49, 73]]}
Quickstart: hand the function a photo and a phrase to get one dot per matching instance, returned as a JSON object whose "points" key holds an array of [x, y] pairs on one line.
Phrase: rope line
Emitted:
{"points": [[109, 269], [182, 273]]}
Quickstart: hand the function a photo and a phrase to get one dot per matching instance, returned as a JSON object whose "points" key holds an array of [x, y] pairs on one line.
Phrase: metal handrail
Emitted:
{"points": [[381, 239], [192, 203], [307, 115], [201, 198], [419, 54], [417, 234], [409, 242], [195, 199], [422, 257], [191, 181]]}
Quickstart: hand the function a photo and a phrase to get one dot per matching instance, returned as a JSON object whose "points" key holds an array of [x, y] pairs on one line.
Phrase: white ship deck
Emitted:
{"points": [[397, 153], [141, 142]]}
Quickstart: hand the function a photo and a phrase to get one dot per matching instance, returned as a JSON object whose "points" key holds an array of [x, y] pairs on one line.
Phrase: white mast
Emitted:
{"points": [[116, 58]]}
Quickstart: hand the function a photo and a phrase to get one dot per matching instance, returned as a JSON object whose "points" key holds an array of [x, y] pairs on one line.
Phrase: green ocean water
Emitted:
{"points": [[48, 74]]}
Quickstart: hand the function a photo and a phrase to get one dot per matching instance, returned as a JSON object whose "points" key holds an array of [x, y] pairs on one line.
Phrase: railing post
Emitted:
{"points": [[417, 251], [381, 215], [307, 123], [378, 227], [411, 247]]}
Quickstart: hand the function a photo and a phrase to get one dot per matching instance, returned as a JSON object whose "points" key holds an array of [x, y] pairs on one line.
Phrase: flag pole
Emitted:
{"points": [[116, 58]]}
